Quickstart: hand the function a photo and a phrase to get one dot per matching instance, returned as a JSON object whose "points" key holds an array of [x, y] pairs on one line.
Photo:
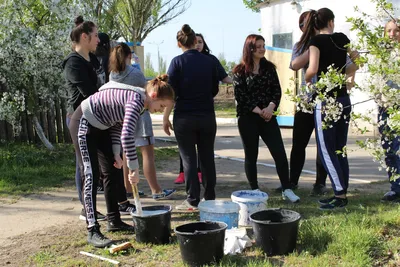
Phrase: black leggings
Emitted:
{"points": [[189, 132], [181, 164], [251, 127], [303, 128], [94, 151]]}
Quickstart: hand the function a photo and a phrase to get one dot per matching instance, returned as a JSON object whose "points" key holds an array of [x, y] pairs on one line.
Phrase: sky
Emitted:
{"points": [[224, 24]]}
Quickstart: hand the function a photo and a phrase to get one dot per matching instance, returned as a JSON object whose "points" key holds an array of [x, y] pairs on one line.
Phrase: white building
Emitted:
{"points": [[280, 29]]}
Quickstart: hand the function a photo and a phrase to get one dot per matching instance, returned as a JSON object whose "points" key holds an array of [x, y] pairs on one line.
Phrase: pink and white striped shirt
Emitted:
{"points": [[117, 107]]}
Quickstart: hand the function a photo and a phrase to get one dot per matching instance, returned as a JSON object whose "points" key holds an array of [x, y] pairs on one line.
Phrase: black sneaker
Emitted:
{"points": [[392, 197], [100, 216], [97, 239], [293, 187], [325, 200], [119, 226], [100, 189], [334, 204], [318, 190], [126, 208]]}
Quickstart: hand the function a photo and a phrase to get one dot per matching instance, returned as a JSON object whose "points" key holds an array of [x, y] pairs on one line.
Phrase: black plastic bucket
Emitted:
{"points": [[155, 229], [201, 243], [276, 230]]}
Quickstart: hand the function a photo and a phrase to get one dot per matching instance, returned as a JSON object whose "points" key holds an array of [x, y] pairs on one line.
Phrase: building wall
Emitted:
{"points": [[281, 17]]}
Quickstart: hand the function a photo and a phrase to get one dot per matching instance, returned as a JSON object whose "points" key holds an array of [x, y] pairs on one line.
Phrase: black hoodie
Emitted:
{"points": [[82, 78]]}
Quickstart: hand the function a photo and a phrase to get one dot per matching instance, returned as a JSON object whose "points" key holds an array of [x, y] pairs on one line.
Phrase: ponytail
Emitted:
{"points": [[309, 31], [118, 58]]}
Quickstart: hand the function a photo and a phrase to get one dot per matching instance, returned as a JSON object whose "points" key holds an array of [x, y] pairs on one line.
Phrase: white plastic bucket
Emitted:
{"points": [[220, 211], [250, 201]]}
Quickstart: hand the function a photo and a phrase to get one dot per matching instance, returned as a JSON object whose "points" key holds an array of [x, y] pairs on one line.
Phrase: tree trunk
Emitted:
{"points": [[59, 120], [29, 125], [51, 123], [67, 137], [41, 135], [3, 131], [10, 132]]}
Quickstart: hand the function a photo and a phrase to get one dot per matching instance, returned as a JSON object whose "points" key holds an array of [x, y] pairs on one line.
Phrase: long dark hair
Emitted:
{"points": [[205, 50], [302, 19], [315, 20], [246, 65]]}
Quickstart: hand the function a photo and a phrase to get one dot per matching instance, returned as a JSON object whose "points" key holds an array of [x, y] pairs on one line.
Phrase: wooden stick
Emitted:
{"points": [[99, 257], [120, 247], [137, 200]]}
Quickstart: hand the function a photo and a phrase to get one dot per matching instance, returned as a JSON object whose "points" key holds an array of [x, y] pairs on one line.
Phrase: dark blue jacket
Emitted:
{"points": [[194, 78]]}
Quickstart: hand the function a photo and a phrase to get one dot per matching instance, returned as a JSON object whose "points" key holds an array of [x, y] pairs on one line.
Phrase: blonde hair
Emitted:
{"points": [[395, 21], [161, 87]]}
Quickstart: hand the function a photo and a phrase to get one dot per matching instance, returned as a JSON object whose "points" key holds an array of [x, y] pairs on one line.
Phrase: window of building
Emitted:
{"points": [[282, 40]]}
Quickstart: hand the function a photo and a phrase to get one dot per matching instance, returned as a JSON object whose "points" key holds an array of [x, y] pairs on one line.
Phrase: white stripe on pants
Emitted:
{"points": [[324, 151], [88, 185]]}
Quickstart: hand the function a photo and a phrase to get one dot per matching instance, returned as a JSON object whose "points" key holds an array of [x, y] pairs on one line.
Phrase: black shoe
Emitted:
{"points": [[392, 197], [99, 216], [119, 225], [318, 190], [100, 189], [126, 208], [334, 204], [97, 239], [325, 200], [292, 186]]}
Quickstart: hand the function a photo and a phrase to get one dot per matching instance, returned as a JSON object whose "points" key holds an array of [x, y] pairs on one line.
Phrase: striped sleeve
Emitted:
{"points": [[132, 114], [115, 133]]}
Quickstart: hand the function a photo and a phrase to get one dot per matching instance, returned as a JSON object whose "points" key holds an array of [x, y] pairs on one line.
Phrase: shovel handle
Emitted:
{"points": [[137, 199]]}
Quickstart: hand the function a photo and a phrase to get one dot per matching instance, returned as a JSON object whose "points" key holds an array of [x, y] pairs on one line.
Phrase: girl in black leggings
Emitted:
{"points": [[258, 94]]}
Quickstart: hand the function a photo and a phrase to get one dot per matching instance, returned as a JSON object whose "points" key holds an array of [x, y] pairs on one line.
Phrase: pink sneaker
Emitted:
{"points": [[200, 177], [180, 179]]}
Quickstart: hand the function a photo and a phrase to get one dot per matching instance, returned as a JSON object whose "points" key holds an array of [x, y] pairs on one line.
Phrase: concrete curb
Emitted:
{"points": [[220, 121]]}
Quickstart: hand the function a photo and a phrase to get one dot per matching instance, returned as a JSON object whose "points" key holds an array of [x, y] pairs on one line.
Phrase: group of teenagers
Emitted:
{"points": [[110, 101]]}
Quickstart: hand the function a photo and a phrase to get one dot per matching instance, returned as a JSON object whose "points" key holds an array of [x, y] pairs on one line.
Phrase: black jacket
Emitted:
{"points": [[81, 78]]}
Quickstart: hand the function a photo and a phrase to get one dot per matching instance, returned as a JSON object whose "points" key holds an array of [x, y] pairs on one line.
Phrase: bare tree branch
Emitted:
{"points": [[140, 17]]}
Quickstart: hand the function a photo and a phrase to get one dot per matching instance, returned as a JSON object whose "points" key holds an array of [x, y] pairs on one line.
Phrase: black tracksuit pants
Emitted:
{"points": [[304, 124], [94, 151]]}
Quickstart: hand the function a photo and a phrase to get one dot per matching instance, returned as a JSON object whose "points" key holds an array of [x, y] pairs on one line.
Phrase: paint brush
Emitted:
{"points": [[137, 200]]}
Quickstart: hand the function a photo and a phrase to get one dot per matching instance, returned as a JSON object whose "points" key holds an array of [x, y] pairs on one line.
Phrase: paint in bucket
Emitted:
{"points": [[154, 225], [250, 201], [276, 230], [220, 211]]}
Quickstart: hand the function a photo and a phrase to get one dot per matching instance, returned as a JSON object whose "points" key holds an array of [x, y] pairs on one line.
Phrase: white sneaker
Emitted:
{"points": [[289, 195], [186, 206]]}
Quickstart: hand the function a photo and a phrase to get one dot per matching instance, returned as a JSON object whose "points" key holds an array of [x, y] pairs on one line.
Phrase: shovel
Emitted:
{"points": [[137, 200]]}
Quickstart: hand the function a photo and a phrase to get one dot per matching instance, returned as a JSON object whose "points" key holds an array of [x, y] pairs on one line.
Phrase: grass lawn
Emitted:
{"points": [[27, 169], [225, 108], [366, 233]]}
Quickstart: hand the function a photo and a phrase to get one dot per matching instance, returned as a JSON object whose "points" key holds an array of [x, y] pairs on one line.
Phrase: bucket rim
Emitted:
{"points": [[263, 196], [223, 228], [167, 208], [274, 209], [234, 207]]}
